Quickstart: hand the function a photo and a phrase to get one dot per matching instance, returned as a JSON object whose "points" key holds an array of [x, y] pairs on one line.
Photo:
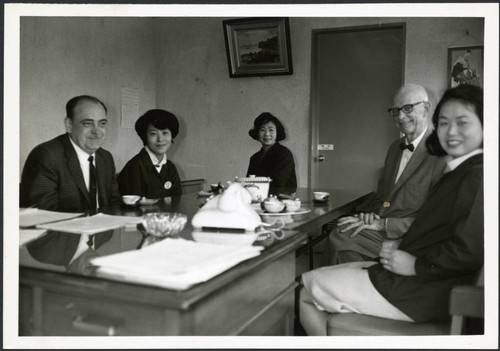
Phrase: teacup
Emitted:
{"points": [[274, 206], [321, 195], [291, 205], [130, 200]]}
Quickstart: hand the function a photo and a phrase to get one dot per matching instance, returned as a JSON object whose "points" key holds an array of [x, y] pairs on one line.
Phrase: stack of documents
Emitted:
{"points": [[91, 225], [30, 217], [173, 263]]}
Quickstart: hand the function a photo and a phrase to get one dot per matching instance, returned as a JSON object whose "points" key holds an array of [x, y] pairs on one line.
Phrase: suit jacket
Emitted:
{"points": [[140, 177], [447, 237], [404, 198], [52, 178], [277, 163]]}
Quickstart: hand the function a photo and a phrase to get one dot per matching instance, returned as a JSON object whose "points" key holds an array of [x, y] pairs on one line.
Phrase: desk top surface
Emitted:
{"points": [[53, 252]]}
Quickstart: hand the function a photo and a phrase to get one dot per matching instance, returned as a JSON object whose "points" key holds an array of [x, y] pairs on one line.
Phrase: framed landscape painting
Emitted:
{"points": [[465, 66], [258, 46]]}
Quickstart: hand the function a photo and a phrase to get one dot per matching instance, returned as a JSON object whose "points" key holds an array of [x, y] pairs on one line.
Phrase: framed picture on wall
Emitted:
{"points": [[465, 65], [258, 46]]}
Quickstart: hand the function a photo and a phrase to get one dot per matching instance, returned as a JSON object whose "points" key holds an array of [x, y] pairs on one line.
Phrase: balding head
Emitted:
{"points": [[413, 123], [414, 91]]}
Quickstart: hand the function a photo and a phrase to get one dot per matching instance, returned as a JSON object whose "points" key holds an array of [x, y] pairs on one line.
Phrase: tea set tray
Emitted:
{"points": [[300, 211]]}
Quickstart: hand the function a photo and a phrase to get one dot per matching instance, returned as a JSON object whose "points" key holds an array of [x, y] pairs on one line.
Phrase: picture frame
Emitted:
{"points": [[465, 65], [258, 46]]}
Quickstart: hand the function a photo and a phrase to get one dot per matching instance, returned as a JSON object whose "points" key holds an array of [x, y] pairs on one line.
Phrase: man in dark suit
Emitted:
{"points": [[409, 174], [72, 173]]}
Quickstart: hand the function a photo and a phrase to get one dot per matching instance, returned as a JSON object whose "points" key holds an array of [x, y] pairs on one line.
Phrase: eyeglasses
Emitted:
{"points": [[394, 111]]}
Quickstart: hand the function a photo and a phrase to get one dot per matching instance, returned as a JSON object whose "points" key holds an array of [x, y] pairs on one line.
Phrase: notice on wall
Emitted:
{"points": [[325, 147], [130, 107]]}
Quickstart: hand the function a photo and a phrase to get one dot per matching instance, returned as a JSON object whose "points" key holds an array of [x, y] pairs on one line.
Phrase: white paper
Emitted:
{"points": [[91, 225], [27, 235], [129, 107], [174, 263], [30, 217]]}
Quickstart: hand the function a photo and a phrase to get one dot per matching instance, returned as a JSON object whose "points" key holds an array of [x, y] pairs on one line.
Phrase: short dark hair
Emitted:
{"points": [[160, 119], [467, 94], [264, 118], [72, 103]]}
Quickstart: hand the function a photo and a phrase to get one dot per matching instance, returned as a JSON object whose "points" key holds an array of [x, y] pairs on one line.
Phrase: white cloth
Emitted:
{"points": [[405, 158], [158, 163], [346, 288]]}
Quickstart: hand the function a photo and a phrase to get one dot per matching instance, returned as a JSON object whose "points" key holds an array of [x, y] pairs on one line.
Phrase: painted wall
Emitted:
{"points": [[65, 57], [179, 64]]}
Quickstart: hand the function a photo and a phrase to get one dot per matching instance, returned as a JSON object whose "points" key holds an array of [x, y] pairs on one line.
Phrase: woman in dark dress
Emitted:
{"points": [[442, 248], [273, 160], [150, 173]]}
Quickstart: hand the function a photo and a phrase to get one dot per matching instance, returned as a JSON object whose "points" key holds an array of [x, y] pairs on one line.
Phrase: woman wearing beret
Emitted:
{"points": [[150, 173], [273, 160]]}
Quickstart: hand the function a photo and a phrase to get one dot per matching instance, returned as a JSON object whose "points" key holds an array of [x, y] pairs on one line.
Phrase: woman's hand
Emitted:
{"points": [[397, 261], [389, 245], [361, 221]]}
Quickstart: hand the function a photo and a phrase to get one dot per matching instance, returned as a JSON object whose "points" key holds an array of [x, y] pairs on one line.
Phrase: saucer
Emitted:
{"points": [[320, 202]]}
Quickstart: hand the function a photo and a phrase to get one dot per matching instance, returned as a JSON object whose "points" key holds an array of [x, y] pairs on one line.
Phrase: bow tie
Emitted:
{"points": [[403, 146]]}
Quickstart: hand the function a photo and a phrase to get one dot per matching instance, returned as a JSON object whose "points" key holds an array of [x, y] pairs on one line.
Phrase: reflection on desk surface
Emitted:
{"points": [[57, 251]]}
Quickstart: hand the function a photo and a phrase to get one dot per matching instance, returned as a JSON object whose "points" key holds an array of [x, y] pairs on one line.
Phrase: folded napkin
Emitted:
{"points": [[173, 263]]}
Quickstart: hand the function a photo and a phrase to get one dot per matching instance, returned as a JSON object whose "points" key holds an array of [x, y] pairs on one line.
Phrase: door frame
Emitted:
{"points": [[314, 121]]}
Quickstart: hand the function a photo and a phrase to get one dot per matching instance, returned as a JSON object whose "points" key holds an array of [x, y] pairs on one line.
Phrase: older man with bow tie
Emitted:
{"points": [[409, 174]]}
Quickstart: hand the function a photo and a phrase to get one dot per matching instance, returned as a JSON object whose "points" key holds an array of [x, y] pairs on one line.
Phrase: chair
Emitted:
{"points": [[465, 301]]}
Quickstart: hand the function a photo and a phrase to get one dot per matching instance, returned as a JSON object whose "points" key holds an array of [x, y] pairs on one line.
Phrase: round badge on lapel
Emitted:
{"points": [[387, 204], [167, 185]]}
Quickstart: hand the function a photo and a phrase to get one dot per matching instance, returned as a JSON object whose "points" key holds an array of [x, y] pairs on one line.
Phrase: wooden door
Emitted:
{"points": [[355, 72]]}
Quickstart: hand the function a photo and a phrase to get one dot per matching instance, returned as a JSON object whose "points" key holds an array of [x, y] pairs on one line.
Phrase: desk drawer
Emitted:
{"points": [[75, 316]]}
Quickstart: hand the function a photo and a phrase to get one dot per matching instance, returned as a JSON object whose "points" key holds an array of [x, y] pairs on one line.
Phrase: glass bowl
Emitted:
{"points": [[164, 224]]}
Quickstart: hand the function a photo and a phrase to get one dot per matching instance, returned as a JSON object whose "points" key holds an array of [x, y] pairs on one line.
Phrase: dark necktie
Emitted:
{"points": [[403, 146], [92, 184]]}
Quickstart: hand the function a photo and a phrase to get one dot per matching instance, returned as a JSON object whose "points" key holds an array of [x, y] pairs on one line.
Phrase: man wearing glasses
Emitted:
{"points": [[409, 174]]}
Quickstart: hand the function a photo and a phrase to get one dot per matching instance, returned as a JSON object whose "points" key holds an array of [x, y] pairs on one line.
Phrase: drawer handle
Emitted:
{"points": [[96, 324]]}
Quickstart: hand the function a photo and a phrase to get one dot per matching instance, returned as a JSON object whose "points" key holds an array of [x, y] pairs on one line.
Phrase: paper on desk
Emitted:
{"points": [[174, 263], [30, 217], [91, 225], [27, 235]]}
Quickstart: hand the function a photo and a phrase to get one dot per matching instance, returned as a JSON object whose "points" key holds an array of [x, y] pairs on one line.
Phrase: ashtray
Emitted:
{"points": [[164, 224], [320, 202]]}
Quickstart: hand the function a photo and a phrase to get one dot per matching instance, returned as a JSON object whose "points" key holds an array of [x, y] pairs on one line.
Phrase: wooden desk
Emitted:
{"points": [[255, 297]]}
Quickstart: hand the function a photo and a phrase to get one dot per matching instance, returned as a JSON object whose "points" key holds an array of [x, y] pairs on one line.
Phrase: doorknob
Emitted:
{"points": [[321, 158]]}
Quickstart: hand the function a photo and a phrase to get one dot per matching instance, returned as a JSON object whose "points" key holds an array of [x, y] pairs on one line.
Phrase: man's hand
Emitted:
{"points": [[361, 221], [368, 218], [397, 261]]}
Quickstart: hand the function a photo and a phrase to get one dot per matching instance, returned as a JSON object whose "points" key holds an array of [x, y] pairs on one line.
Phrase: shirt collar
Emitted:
{"points": [[417, 140], [83, 157], [454, 163], [154, 159]]}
